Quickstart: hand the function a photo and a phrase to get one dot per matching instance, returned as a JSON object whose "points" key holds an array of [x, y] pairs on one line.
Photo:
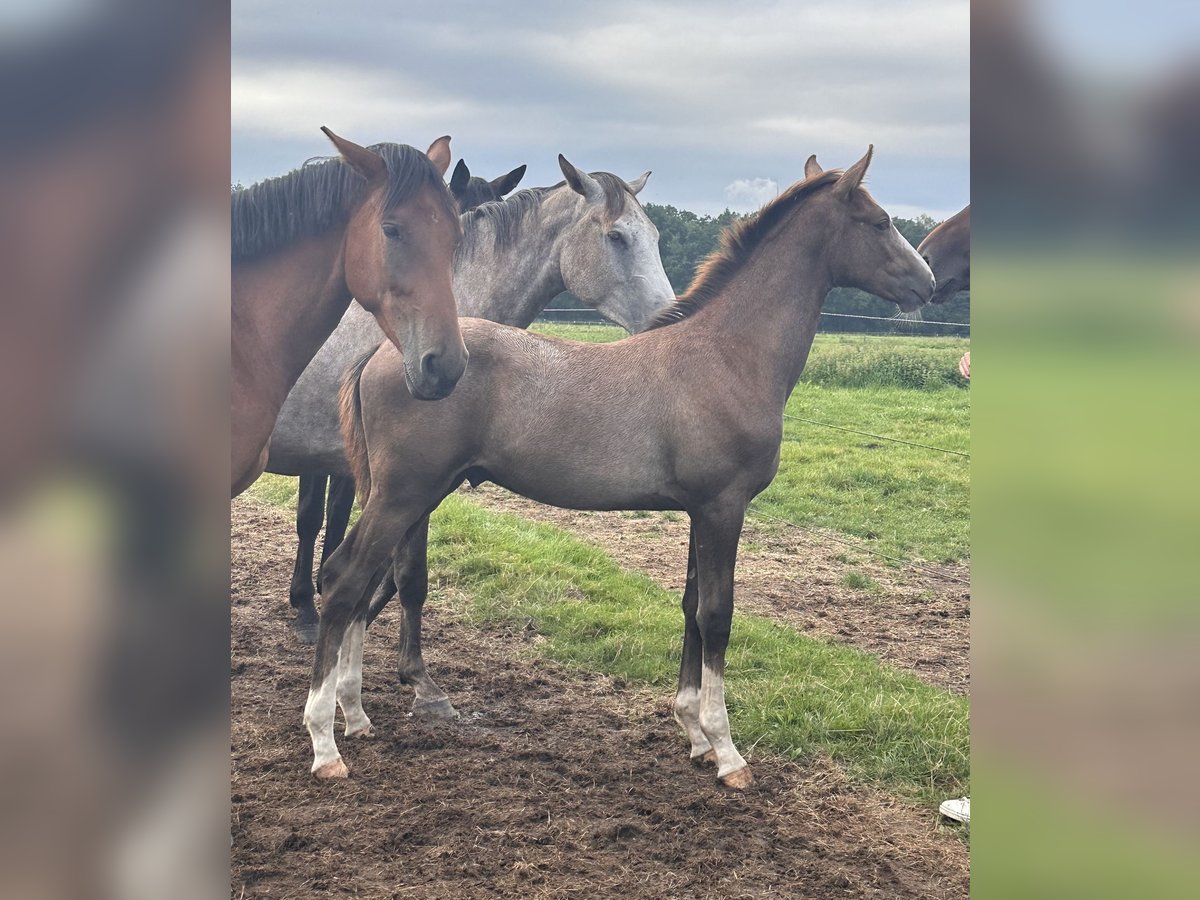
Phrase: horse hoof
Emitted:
{"points": [[362, 733], [335, 769], [705, 760], [434, 709], [739, 780], [306, 632]]}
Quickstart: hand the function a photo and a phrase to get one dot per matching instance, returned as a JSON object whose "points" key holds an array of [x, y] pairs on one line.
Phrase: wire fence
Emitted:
{"points": [[837, 323], [882, 437]]}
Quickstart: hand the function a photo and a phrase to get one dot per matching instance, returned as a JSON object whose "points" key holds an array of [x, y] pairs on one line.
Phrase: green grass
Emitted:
{"points": [[908, 502], [788, 693], [841, 360]]}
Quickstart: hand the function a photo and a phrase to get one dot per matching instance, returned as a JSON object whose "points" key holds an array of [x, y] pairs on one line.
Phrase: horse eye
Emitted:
{"points": [[884, 225], [616, 237], [391, 231]]}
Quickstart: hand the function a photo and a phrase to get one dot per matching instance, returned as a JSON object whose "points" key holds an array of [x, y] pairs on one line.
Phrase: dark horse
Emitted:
{"points": [[687, 415], [378, 225], [471, 191]]}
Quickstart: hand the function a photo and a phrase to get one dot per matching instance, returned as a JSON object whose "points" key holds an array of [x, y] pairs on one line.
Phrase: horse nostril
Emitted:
{"points": [[429, 363]]}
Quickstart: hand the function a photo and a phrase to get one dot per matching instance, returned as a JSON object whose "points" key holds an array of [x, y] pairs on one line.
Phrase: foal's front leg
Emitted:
{"points": [[717, 530], [412, 584], [354, 570]]}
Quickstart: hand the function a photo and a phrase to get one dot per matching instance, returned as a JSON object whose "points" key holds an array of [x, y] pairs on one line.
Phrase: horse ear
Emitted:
{"points": [[460, 178], [439, 154], [638, 183], [581, 182], [853, 176], [812, 167], [367, 163], [506, 183]]}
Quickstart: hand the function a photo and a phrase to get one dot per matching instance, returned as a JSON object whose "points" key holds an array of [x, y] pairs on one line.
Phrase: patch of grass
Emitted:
{"points": [[599, 333], [277, 490], [859, 581], [841, 360], [786, 692], [905, 501]]}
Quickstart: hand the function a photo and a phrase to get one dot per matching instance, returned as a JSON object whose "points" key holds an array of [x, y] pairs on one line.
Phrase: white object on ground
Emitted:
{"points": [[958, 810]]}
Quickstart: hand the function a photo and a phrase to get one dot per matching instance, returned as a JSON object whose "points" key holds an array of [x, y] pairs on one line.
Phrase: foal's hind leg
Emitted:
{"points": [[412, 581], [717, 530], [687, 698], [353, 572]]}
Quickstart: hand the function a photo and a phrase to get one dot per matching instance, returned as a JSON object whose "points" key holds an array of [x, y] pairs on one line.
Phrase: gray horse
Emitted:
{"points": [[588, 235]]}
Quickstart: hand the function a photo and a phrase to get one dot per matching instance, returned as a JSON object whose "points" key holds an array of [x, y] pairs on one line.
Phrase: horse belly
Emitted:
{"points": [[578, 482]]}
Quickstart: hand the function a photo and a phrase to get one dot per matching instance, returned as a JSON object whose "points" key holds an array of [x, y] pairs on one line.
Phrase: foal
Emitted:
{"points": [[686, 416]]}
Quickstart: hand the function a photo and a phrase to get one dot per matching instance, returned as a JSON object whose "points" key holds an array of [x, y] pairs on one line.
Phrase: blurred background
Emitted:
{"points": [[114, 360], [114, 392], [1085, 127]]}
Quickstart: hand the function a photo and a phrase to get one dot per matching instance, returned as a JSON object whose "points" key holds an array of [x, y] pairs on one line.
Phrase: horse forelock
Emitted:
{"points": [[738, 242], [320, 195]]}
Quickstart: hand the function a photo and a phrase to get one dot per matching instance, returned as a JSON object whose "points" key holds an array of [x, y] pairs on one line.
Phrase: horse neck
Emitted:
{"points": [[764, 318], [514, 283], [285, 305]]}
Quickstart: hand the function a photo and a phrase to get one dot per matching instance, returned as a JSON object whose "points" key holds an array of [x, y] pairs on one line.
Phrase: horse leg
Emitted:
{"points": [[412, 580], [687, 697], [349, 681], [383, 594], [308, 524], [717, 529], [354, 571], [337, 517]]}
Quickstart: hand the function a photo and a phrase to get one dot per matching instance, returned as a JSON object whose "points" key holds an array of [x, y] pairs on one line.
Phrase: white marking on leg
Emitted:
{"points": [[318, 719], [687, 714], [714, 720], [349, 681]]}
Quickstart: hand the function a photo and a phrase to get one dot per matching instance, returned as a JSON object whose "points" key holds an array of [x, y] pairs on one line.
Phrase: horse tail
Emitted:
{"points": [[355, 439]]}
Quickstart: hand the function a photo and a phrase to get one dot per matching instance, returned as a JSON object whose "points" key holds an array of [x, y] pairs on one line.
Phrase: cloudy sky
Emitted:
{"points": [[722, 100]]}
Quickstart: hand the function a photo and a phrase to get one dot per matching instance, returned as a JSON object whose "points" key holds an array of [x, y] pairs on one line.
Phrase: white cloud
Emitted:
{"points": [[747, 194]]}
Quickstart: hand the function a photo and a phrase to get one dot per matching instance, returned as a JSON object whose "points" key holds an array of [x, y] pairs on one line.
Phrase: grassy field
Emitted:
{"points": [[787, 693], [904, 501]]}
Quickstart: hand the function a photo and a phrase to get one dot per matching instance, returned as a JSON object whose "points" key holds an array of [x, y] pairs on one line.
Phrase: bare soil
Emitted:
{"points": [[553, 783], [913, 620]]}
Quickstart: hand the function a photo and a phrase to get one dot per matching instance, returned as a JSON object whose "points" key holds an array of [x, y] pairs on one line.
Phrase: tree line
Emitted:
{"points": [[685, 239]]}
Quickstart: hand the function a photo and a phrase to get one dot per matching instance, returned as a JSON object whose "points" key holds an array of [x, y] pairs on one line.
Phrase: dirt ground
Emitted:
{"points": [[551, 784], [917, 621]]}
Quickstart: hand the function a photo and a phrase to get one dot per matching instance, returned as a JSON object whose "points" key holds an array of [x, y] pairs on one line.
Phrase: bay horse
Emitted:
{"points": [[516, 255], [470, 191], [377, 224], [947, 251], [687, 415]]}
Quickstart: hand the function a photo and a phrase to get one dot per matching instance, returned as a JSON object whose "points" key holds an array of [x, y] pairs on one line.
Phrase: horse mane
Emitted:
{"points": [[508, 214], [320, 195], [738, 241]]}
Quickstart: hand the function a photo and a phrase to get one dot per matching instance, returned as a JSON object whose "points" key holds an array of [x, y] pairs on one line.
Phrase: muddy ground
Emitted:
{"points": [[551, 784]]}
